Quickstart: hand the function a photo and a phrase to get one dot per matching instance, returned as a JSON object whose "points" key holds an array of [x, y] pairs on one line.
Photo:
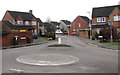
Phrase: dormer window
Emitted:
{"points": [[101, 19], [19, 22], [34, 23], [116, 18], [26, 22]]}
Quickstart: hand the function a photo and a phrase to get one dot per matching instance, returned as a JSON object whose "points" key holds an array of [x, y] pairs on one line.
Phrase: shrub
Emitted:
{"points": [[66, 33], [95, 35], [51, 35]]}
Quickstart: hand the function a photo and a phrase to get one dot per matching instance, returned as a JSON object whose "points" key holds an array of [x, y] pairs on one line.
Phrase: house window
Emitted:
{"points": [[26, 22], [34, 23], [19, 22], [101, 19], [117, 18], [79, 25]]}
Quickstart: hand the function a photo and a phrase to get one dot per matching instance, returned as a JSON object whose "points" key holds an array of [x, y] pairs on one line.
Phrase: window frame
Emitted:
{"points": [[117, 18], [34, 23], [101, 19], [27, 23], [20, 22]]}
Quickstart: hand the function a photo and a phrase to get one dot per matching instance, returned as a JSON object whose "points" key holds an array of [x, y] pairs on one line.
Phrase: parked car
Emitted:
{"points": [[73, 33]]}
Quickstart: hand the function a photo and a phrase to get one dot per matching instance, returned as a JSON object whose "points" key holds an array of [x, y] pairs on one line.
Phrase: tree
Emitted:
{"points": [[48, 19], [49, 27]]}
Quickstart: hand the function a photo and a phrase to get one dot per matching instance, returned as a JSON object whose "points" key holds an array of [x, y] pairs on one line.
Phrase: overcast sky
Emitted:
{"points": [[55, 9]]}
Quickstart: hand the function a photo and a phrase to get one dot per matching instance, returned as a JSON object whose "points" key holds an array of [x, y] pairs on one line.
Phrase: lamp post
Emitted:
{"points": [[110, 23], [90, 27]]}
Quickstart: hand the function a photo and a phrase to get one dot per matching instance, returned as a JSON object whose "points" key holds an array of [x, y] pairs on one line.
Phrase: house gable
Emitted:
{"points": [[107, 13], [8, 16], [113, 13], [111, 16], [85, 18], [81, 22]]}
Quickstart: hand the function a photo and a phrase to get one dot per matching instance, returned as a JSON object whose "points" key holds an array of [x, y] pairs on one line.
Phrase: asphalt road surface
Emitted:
{"points": [[92, 59]]}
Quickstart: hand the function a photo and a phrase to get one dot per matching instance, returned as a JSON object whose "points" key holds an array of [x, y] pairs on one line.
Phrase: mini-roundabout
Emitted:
{"points": [[48, 59]]}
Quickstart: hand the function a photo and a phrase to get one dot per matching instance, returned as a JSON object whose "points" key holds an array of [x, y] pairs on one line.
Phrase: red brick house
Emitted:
{"points": [[13, 34], [100, 18], [41, 27], [23, 18], [80, 26]]}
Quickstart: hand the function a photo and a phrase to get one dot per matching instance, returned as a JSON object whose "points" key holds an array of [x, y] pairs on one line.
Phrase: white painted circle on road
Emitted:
{"points": [[47, 59]]}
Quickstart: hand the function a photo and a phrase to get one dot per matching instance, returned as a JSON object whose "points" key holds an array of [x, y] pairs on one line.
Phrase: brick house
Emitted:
{"points": [[41, 28], [100, 18], [80, 26], [15, 34], [23, 18]]}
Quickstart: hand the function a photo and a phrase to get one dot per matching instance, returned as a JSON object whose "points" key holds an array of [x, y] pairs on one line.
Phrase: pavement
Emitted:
{"points": [[35, 42], [98, 44]]}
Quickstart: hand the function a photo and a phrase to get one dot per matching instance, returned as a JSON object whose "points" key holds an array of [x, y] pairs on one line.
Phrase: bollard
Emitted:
{"points": [[59, 40]]}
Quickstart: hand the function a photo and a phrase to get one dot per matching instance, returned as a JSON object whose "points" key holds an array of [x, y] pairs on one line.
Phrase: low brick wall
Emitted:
{"points": [[84, 34], [7, 40]]}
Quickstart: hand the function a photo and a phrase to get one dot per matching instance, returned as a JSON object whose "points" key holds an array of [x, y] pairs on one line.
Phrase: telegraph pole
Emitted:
{"points": [[90, 27], [110, 23]]}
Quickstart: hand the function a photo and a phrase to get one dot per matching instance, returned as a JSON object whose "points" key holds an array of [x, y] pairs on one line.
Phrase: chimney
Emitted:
{"points": [[30, 11]]}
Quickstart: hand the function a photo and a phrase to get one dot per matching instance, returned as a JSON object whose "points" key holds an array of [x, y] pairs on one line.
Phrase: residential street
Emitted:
{"points": [[92, 59]]}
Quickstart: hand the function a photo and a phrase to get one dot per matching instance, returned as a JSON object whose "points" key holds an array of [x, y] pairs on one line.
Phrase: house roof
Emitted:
{"points": [[85, 18], [4, 32], [39, 20], [24, 15], [9, 24], [103, 11], [66, 22], [55, 23]]}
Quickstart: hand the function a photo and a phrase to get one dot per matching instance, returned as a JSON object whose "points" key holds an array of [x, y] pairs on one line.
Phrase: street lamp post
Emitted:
{"points": [[90, 27], [110, 23]]}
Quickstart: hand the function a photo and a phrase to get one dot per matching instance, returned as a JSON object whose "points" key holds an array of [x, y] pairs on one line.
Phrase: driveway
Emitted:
{"points": [[92, 59]]}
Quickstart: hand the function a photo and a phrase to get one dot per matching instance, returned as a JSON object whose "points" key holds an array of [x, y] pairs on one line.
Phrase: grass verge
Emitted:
{"points": [[43, 38], [113, 43]]}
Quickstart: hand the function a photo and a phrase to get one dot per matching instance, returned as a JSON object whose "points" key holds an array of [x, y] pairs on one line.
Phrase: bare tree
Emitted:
{"points": [[48, 19]]}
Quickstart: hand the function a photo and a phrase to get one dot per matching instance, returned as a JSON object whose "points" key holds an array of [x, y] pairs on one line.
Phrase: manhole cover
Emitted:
{"points": [[47, 59]]}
